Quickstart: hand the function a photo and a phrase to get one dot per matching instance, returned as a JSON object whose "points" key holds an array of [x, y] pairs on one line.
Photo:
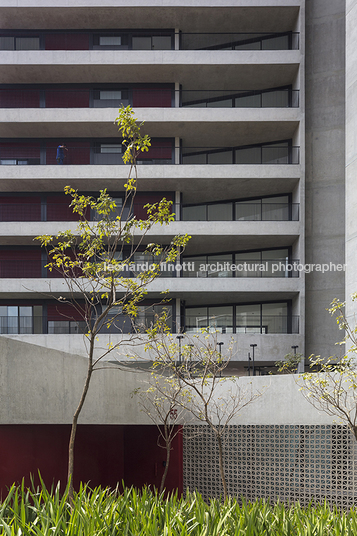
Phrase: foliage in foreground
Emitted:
{"points": [[146, 513]]}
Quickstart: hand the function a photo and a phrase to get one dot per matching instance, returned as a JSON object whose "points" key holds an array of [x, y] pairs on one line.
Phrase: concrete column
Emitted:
{"points": [[351, 160], [177, 39], [177, 95], [177, 206], [177, 150], [178, 315]]}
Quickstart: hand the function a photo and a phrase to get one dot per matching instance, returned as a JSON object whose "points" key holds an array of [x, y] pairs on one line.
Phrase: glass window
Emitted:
{"points": [[222, 157], [248, 210], [277, 257], [275, 208], [109, 40], [253, 45], [280, 42], [15, 319], [110, 95], [248, 101], [200, 158], [219, 265], [245, 263], [277, 99], [275, 254], [274, 317], [65, 327], [248, 318], [195, 263], [221, 319], [141, 43], [7, 43], [110, 148], [161, 42], [194, 213], [196, 319], [250, 155], [27, 43], [25, 319], [220, 212], [224, 103], [275, 154], [147, 316], [8, 162]]}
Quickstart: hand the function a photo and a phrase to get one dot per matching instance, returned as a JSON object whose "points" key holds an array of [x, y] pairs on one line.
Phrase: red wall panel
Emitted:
{"points": [[19, 98], [142, 199], [61, 98], [20, 263], [160, 149], [152, 98], [78, 152], [24, 149], [104, 455], [58, 208], [63, 311], [67, 41], [20, 208]]}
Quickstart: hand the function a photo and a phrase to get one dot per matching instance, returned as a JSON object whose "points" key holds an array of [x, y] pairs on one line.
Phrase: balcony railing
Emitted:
{"points": [[79, 155], [86, 97], [239, 41], [107, 154], [241, 211], [266, 324], [221, 268], [122, 40], [242, 267], [27, 325], [35, 269], [15, 97], [264, 154], [35, 211], [271, 98]]}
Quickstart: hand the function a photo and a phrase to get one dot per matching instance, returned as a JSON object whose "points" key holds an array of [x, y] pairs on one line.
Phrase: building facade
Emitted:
{"points": [[245, 103]]}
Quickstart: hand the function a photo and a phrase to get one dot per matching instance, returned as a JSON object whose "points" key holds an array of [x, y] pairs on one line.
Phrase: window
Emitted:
{"points": [[259, 318], [20, 319], [110, 148], [19, 43], [148, 315], [155, 42], [218, 318], [7, 43], [27, 43], [9, 162], [109, 40], [64, 327], [110, 94]]}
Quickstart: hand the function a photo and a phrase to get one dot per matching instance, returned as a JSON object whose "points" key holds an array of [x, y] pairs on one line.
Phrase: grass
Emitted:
{"points": [[101, 512]]}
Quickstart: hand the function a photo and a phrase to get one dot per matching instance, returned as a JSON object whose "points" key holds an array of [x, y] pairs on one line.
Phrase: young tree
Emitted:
{"points": [[161, 400], [196, 368], [96, 260], [290, 363], [332, 386]]}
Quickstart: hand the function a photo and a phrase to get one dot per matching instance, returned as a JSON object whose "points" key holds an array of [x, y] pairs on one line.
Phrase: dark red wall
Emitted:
{"points": [[104, 455]]}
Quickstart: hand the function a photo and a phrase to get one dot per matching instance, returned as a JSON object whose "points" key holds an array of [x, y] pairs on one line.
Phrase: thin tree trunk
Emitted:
{"points": [[221, 469], [168, 449], [74, 425]]}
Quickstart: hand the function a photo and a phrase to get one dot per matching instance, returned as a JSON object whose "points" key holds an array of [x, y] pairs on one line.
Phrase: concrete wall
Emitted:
{"points": [[351, 155], [43, 386], [325, 149]]}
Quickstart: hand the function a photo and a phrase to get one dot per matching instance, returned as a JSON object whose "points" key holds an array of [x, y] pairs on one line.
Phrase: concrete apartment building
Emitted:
{"points": [[245, 103]]}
